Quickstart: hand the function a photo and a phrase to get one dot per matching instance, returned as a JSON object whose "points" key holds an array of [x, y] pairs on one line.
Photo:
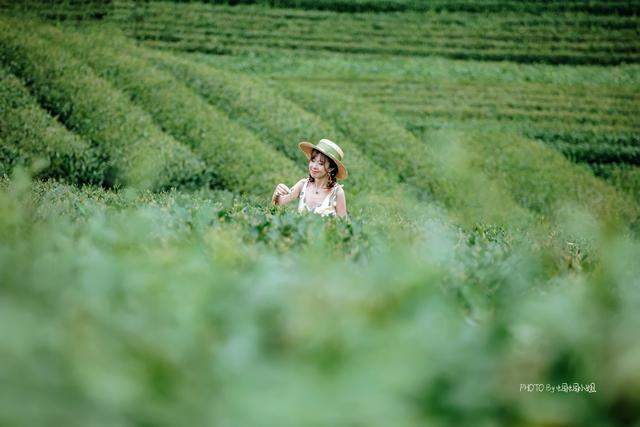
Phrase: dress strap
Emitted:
{"points": [[334, 194], [302, 206]]}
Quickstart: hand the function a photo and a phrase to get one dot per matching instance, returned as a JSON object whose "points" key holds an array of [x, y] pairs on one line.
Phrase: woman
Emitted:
{"points": [[319, 192]]}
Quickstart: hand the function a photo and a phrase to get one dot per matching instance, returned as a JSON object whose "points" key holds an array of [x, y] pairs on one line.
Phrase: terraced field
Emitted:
{"points": [[571, 38], [146, 279], [529, 32], [595, 124], [590, 122]]}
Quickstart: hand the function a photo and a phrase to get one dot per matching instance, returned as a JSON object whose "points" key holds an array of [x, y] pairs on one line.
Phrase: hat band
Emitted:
{"points": [[329, 150]]}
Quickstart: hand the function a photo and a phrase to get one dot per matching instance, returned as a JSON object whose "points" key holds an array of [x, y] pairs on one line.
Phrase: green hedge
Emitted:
{"points": [[30, 134], [240, 160], [140, 153]]}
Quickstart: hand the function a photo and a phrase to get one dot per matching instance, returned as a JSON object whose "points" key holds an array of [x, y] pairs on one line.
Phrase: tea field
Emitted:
{"points": [[486, 274]]}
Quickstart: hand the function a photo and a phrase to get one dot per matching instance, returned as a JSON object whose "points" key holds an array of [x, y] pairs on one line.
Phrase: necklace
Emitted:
{"points": [[317, 189]]}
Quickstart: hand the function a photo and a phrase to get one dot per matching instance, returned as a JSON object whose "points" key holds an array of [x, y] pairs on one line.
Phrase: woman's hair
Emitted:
{"points": [[332, 168]]}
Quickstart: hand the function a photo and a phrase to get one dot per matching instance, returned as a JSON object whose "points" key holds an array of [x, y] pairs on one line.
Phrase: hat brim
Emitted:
{"points": [[308, 147]]}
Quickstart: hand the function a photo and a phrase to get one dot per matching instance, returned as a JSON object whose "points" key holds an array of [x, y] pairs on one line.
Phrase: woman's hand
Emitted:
{"points": [[281, 190]]}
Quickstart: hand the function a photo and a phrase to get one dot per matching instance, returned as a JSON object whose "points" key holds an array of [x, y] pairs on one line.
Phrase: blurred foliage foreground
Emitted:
{"points": [[135, 308], [481, 280]]}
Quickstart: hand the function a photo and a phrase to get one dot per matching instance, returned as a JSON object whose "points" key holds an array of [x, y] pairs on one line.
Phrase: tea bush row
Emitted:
{"points": [[593, 147], [396, 74], [541, 179], [577, 137], [258, 226], [172, 14], [624, 177], [583, 144], [33, 139], [179, 321], [198, 14], [603, 114], [601, 133], [487, 6], [277, 120], [414, 30], [594, 137], [538, 189], [600, 153], [462, 39], [496, 155], [222, 30], [139, 152], [561, 118], [283, 123], [435, 169], [60, 10], [238, 43], [238, 159]]}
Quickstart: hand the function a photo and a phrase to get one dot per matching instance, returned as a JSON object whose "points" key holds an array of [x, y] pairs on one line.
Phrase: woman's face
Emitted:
{"points": [[318, 165]]}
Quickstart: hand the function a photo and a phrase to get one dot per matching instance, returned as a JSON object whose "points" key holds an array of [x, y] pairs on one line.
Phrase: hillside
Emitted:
{"points": [[493, 194]]}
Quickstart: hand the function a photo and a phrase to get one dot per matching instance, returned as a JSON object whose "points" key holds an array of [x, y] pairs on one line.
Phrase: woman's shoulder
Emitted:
{"points": [[298, 186], [338, 190]]}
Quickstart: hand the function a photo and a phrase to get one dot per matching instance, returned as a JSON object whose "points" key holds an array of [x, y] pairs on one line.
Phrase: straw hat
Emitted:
{"points": [[331, 150]]}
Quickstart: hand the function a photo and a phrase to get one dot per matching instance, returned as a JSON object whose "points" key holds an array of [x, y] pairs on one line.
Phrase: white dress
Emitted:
{"points": [[328, 205]]}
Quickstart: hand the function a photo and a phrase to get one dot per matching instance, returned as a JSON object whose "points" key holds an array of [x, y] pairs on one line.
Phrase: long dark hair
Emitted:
{"points": [[333, 167]]}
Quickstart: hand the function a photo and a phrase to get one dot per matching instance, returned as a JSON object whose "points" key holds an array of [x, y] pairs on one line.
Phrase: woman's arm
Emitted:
{"points": [[341, 203], [281, 196]]}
